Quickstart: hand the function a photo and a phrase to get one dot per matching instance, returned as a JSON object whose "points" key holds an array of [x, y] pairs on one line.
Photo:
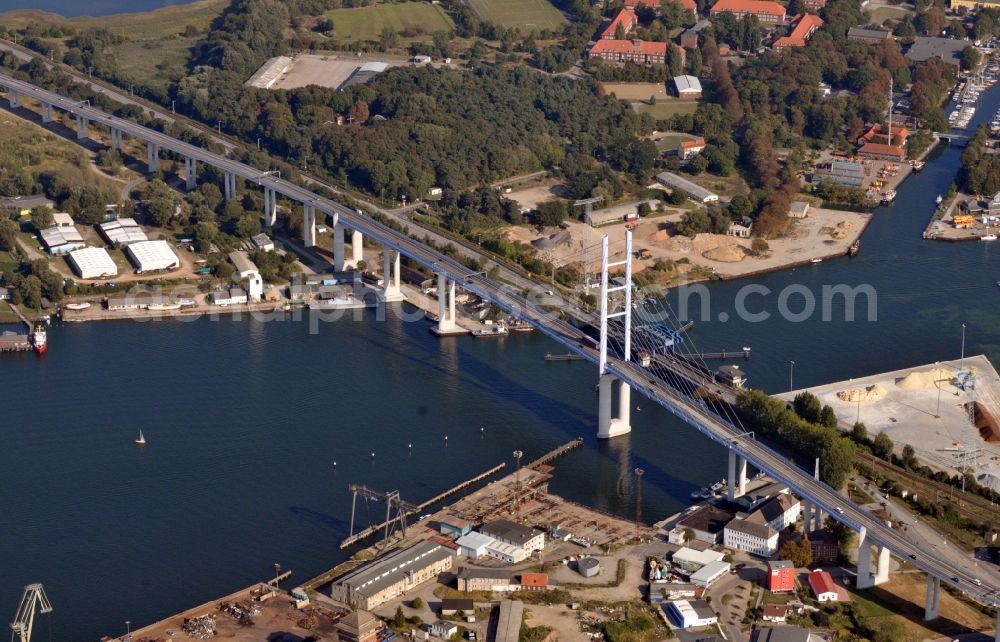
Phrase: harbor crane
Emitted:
{"points": [[33, 598], [392, 502]]}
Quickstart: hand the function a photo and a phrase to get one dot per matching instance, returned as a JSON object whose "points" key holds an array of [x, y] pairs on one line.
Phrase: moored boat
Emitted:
{"points": [[160, 307], [497, 330], [40, 339], [854, 248], [77, 306], [141, 440]]}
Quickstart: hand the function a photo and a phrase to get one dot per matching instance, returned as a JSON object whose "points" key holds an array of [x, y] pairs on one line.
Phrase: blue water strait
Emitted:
{"points": [[73, 8], [244, 421]]}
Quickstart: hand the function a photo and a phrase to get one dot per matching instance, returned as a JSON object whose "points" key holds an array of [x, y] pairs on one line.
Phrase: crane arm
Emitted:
{"points": [[33, 599]]}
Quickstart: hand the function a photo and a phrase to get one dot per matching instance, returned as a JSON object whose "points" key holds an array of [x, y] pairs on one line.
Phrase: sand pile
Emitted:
{"points": [[726, 253], [841, 229], [560, 239], [924, 380], [854, 395]]}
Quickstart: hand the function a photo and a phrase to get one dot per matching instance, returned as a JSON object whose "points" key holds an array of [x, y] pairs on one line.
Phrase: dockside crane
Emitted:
{"points": [[33, 599]]}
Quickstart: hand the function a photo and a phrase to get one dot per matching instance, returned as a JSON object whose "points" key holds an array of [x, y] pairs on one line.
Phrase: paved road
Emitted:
{"points": [[974, 582]]}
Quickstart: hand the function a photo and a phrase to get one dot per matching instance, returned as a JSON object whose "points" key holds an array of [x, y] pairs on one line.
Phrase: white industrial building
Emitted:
{"points": [[92, 263], [62, 219], [692, 190], [692, 559], [263, 242], [710, 573], [122, 232], [751, 534], [689, 614], [473, 545], [229, 296], [505, 552], [150, 256], [506, 531], [62, 240], [687, 87], [244, 266]]}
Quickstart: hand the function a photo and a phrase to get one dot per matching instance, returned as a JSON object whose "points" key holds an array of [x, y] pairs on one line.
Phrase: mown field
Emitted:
{"points": [[367, 23], [527, 15], [667, 107]]}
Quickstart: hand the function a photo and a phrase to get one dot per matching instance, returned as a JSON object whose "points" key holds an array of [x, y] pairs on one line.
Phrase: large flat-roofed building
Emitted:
{"points": [[692, 190], [505, 552], [947, 49], [150, 256], [710, 573], [691, 559], [689, 614], [387, 577], [473, 545], [767, 12], [122, 232], [785, 634], [92, 263], [841, 172], [483, 579], [509, 621], [244, 266], [61, 240], [24, 204], [506, 531]]}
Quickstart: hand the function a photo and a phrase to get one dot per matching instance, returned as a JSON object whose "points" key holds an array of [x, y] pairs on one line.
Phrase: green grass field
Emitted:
{"points": [[881, 14], [665, 108], [670, 141], [367, 23], [529, 15]]}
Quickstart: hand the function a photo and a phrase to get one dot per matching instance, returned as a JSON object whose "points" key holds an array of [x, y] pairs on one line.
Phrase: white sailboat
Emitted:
{"points": [[141, 440]]}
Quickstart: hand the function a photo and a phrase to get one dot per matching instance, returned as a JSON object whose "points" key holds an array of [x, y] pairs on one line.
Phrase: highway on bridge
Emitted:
{"points": [[979, 584]]}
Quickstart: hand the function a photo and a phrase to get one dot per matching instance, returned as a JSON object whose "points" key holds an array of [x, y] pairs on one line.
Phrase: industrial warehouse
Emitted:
{"points": [[380, 581], [92, 263], [150, 256]]}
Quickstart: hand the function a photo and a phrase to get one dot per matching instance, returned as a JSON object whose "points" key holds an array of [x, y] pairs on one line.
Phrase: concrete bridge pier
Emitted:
{"points": [[807, 516], [608, 424], [270, 207], [390, 276], [340, 260], [81, 127], [46, 113], [819, 517], [190, 173], [309, 225], [116, 139], [152, 157], [14, 98], [446, 307], [737, 481], [882, 565], [933, 599], [865, 578], [230, 185]]}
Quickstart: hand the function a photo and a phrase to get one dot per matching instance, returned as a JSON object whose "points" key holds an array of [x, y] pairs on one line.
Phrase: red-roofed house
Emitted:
{"points": [[878, 151], [877, 135], [823, 587], [804, 27], [766, 11], [638, 51], [689, 148], [534, 581], [631, 5], [625, 19]]}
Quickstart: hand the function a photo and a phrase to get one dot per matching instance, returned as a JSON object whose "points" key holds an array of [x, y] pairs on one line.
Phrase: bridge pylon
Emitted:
{"points": [[610, 425]]}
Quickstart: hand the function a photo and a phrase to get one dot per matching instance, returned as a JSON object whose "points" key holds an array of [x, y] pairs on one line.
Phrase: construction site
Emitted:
{"points": [[947, 411]]}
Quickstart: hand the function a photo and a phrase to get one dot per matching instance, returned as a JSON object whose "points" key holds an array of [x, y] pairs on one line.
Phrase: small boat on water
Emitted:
{"points": [[498, 330], [855, 248], [141, 440], [521, 326], [77, 306], [888, 196], [918, 166], [816, 261], [40, 339], [988, 237], [938, 199]]}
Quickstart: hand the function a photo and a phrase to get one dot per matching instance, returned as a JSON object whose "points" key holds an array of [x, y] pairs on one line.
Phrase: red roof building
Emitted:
{"points": [[766, 11], [877, 135], [804, 27], [823, 587], [631, 5], [534, 581], [878, 151], [625, 19], [691, 147], [638, 51], [781, 576]]}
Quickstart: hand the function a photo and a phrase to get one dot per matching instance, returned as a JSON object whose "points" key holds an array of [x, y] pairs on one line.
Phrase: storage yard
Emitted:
{"points": [[330, 70], [928, 407]]}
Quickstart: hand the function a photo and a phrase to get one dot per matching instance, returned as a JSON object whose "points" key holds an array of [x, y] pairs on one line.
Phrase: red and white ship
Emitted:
{"points": [[40, 339]]}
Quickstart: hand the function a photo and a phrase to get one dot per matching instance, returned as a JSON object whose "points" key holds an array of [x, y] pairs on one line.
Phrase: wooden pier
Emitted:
{"points": [[725, 354], [375, 528], [557, 452]]}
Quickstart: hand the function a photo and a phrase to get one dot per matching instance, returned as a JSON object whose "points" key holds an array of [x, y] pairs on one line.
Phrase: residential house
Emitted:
{"points": [[741, 228], [443, 630], [690, 148], [775, 613]]}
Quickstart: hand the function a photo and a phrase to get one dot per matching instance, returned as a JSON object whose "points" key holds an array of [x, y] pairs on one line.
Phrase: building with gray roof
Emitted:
{"points": [[947, 49], [384, 578], [692, 190]]}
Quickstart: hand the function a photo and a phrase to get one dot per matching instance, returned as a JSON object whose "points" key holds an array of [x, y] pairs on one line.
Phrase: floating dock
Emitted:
{"points": [[743, 353], [569, 356]]}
